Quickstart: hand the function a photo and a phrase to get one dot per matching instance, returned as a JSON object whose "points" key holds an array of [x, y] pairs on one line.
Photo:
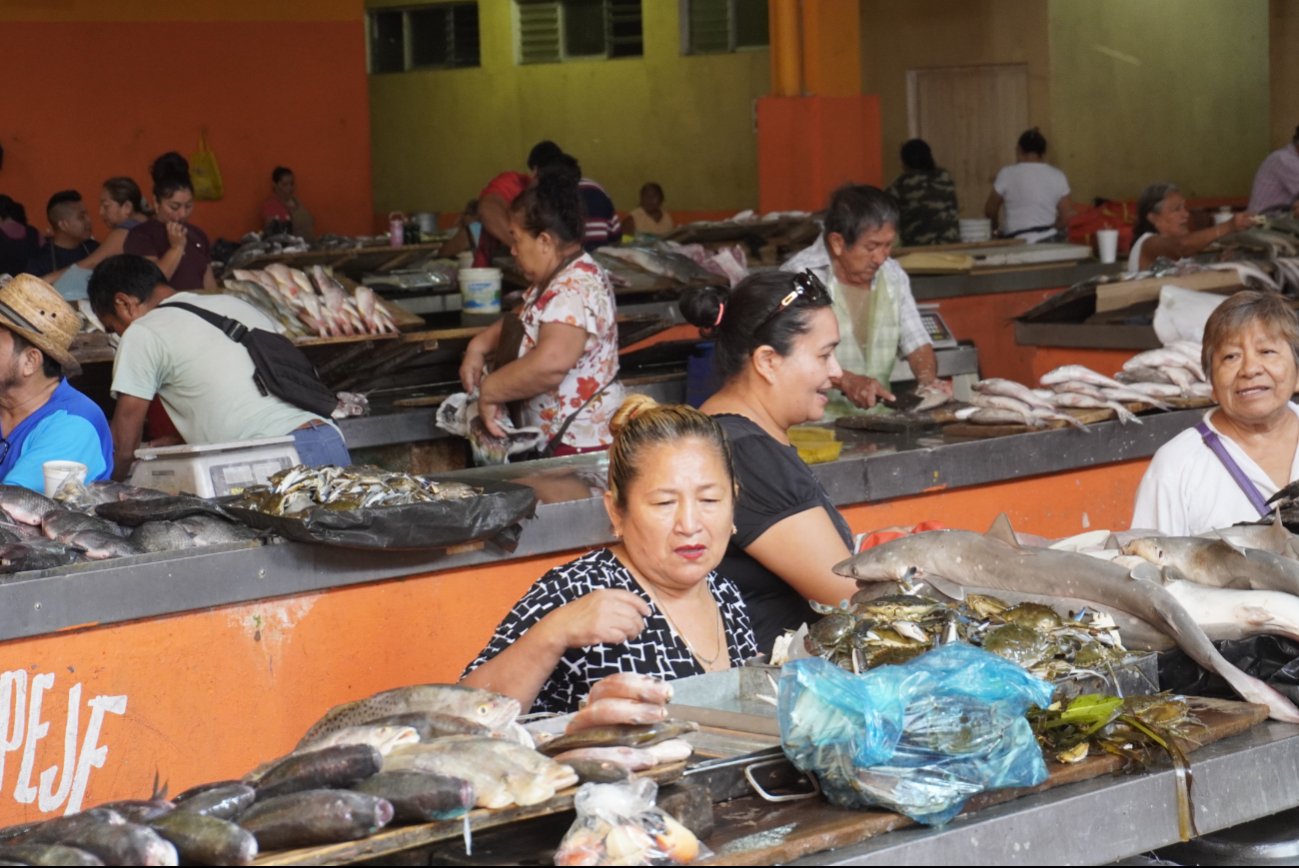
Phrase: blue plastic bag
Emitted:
{"points": [[919, 738]]}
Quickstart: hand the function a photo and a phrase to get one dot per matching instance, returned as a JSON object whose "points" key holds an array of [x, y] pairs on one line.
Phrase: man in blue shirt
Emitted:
{"points": [[42, 418]]}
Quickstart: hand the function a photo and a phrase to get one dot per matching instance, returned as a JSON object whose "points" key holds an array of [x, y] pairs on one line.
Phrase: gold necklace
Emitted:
{"points": [[717, 637]]}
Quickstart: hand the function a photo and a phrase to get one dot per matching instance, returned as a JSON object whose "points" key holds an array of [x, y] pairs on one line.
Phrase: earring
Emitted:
{"points": [[734, 530]]}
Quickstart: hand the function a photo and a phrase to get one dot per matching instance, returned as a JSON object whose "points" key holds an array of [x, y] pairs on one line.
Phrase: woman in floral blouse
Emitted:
{"points": [[563, 373]]}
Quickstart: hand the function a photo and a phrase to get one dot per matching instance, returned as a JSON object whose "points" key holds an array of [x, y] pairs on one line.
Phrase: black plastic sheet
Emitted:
{"points": [[1272, 659], [492, 515]]}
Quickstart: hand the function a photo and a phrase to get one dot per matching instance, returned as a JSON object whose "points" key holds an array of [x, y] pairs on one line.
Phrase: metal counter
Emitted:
{"points": [[1104, 819], [940, 286], [872, 468]]}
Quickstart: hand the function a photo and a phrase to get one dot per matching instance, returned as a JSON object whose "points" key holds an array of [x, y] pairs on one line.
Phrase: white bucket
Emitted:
{"points": [[480, 290], [979, 229]]}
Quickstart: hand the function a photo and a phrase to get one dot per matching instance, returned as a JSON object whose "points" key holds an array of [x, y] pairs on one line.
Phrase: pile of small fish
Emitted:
{"points": [[1160, 591], [105, 520], [623, 727], [414, 754], [300, 488], [254, 246], [872, 631], [1172, 371], [660, 258], [290, 297], [1075, 387]]}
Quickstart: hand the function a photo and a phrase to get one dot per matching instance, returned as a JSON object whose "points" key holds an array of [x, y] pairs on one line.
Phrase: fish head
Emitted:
{"points": [[1148, 548], [882, 563], [496, 712]]}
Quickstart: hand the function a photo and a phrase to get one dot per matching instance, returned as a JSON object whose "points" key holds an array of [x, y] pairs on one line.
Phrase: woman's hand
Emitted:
{"points": [[472, 368], [177, 234], [608, 616], [861, 390], [491, 414], [1241, 220]]}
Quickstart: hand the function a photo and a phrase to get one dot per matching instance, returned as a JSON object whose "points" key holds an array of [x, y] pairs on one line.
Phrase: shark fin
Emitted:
{"points": [[1147, 572], [946, 587], [1002, 531], [1255, 616]]}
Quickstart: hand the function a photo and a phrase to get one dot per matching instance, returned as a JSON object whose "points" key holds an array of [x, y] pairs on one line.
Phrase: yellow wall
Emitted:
{"points": [[1159, 90], [685, 121], [898, 35], [1284, 32]]}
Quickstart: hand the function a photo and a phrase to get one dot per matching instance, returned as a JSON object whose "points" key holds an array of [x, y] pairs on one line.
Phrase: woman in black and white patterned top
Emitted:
{"points": [[651, 604]]}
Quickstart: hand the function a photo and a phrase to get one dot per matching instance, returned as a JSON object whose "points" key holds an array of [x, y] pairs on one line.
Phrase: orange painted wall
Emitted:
{"points": [[1046, 359], [808, 146], [100, 89], [208, 695], [988, 320]]}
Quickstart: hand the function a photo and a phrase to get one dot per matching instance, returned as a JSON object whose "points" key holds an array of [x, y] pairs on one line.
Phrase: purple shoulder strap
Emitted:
{"points": [[1212, 440]]}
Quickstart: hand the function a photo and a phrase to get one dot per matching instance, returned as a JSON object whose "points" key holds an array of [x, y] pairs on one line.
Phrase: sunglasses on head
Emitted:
{"points": [[805, 284]]}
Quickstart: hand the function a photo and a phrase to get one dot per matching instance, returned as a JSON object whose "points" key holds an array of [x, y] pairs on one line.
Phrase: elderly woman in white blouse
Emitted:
{"points": [[1223, 470]]}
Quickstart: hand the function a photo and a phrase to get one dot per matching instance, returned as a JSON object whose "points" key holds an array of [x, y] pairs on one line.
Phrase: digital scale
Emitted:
{"points": [[957, 363], [935, 327]]}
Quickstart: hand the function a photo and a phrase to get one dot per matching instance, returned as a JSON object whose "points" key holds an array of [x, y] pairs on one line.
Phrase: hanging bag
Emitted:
{"points": [[204, 173]]}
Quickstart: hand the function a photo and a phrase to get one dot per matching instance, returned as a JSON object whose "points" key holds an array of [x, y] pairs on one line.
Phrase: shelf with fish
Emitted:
{"points": [[183, 641]]}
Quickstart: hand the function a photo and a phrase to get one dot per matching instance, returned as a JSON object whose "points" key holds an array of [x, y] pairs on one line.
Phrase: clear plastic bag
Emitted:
{"points": [[618, 824], [919, 738]]}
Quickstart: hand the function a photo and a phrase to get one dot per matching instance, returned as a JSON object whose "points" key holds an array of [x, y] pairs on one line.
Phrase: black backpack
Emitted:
{"points": [[282, 369]]}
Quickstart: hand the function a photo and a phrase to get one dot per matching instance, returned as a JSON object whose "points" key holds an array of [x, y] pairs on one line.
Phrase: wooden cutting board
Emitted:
{"points": [[746, 827]]}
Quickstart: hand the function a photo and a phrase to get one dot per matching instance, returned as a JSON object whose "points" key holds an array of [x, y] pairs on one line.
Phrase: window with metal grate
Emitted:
{"points": [[552, 31], [431, 36], [714, 26]]}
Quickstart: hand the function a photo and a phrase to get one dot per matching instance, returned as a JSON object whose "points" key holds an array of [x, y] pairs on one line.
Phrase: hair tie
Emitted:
{"points": [[721, 311]]}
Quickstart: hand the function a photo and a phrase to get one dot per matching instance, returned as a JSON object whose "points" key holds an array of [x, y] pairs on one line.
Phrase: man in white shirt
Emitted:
{"points": [[203, 378]]}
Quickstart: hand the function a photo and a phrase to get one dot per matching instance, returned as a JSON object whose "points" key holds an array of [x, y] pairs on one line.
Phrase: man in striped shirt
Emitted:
{"points": [[1276, 184], [602, 223]]}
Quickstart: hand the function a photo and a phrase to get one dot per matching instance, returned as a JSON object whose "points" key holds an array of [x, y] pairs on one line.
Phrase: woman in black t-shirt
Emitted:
{"points": [[775, 338]]}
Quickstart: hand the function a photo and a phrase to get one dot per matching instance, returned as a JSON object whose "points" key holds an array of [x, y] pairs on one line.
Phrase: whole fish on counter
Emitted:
{"points": [[24, 505], [206, 840], [382, 737], [63, 524], [224, 800], [1219, 563], [313, 817], [1081, 401], [336, 766], [36, 555], [966, 558], [501, 772], [1011, 389], [418, 797], [171, 507], [491, 710]]}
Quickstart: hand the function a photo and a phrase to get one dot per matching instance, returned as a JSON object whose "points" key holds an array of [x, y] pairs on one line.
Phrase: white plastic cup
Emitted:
{"points": [[1107, 244], [1220, 217], [465, 260], [58, 472], [480, 290]]}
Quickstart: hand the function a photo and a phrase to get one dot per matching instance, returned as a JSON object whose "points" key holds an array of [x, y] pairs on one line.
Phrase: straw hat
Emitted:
{"points": [[32, 308]]}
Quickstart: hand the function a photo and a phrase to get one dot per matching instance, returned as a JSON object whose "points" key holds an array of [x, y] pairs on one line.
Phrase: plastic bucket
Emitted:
{"points": [[480, 290]]}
